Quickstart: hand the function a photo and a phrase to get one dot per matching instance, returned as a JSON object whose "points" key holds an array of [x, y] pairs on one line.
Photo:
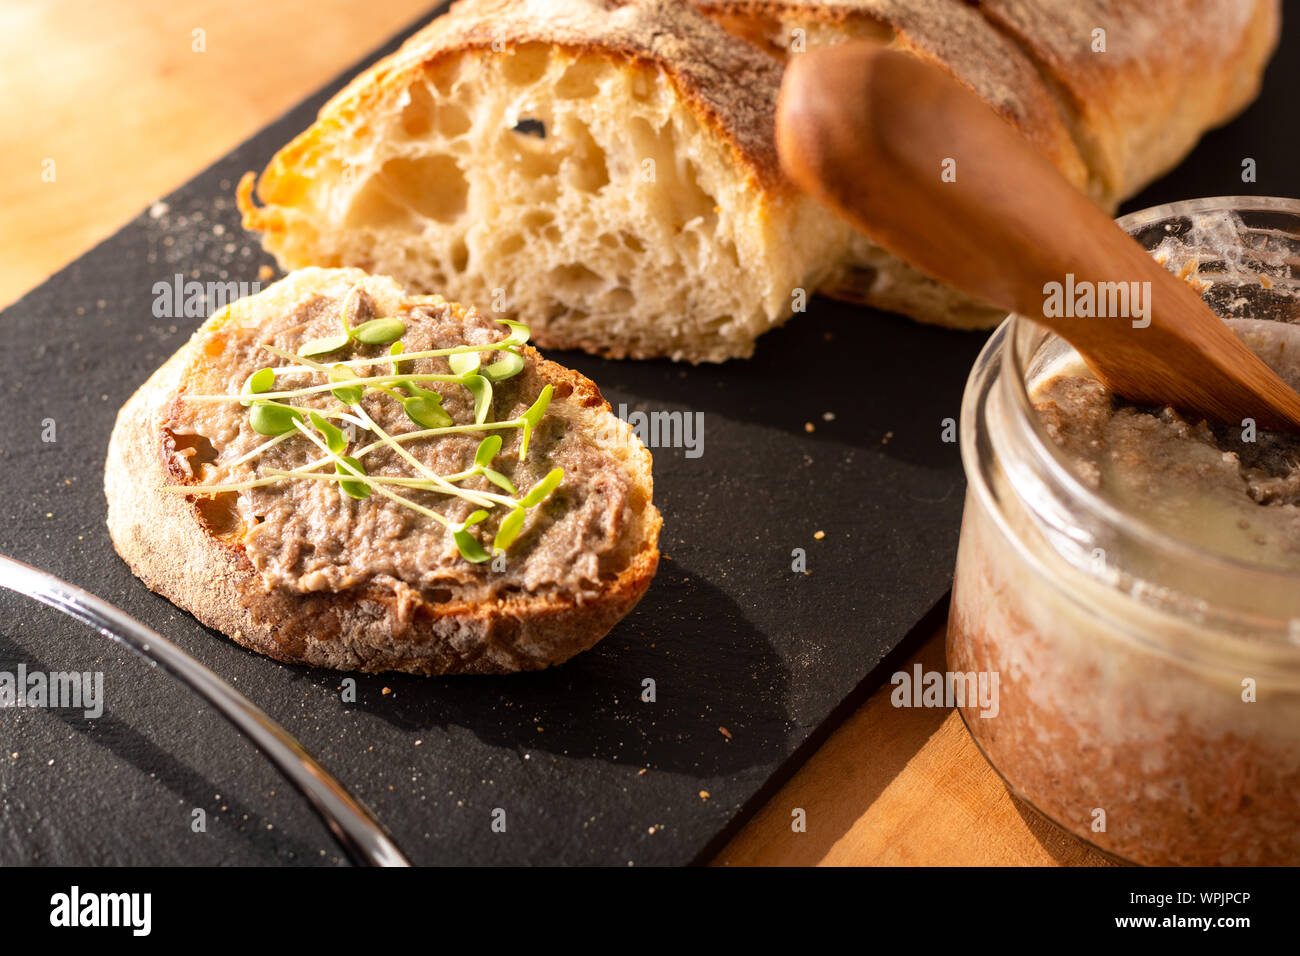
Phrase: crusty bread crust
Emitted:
{"points": [[1171, 70], [950, 35], [1110, 121], [166, 540]]}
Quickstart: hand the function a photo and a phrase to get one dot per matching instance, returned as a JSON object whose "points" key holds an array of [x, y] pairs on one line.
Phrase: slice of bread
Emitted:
{"points": [[606, 175], [300, 571]]}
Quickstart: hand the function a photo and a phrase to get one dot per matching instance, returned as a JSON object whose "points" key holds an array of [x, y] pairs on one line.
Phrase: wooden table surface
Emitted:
{"points": [[126, 107]]}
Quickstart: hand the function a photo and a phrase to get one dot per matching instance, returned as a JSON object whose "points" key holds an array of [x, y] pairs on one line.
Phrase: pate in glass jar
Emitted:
{"points": [[1132, 575]]}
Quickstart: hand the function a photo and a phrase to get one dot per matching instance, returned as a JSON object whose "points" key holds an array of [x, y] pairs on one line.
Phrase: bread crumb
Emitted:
{"points": [[819, 535], [386, 691], [725, 732], [809, 427], [704, 794], [641, 772], [828, 416], [265, 272]]}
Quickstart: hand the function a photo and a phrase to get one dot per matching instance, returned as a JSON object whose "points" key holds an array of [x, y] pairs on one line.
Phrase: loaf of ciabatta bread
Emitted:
{"points": [[605, 170]]}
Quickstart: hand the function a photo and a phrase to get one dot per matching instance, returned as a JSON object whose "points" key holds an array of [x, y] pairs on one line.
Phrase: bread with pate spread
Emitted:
{"points": [[305, 477]]}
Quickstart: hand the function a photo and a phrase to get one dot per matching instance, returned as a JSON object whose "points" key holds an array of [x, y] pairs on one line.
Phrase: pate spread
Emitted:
{"points": [[1232, 489], [306, 536]]}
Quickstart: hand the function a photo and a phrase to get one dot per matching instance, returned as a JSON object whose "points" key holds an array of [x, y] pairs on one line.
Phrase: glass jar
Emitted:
{"points": [[1147, 688]]}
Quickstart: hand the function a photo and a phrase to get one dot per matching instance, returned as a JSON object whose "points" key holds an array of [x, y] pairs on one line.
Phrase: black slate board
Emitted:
{"points": [[585, 771]]}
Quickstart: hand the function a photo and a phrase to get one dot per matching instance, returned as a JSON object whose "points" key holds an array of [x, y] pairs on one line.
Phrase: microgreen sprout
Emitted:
{"points": [[325, 346], [375, 332], [533, 417], [481, 389], [462, 363], [263, 380], [350, 466], [508, 366], [441, 483], [422, 406], [379, 331], [509, 529], [272, 418], [487, 450], [543, 488], [335, 440], [350, 394], [519, 334], [469, 546], [270, 414]]}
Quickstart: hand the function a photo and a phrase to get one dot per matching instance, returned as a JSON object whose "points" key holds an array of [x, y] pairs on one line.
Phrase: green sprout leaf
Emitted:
{"points": [[508, 366], [535, 412], [487, 450], [474, 518], [271, 419], [331, 343], [532, 417], [543, 488], [498, 479], [350, 466], [335, 440], [350, 394], [471, 549], [481, 389], [509, 530], [519, 334], [425, 409], [345, 310], [462, 363], [379, 331], [263, 380]]}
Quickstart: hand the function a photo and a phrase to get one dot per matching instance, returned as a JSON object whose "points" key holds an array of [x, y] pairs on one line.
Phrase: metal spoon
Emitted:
{"points": [[352, 825]]}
